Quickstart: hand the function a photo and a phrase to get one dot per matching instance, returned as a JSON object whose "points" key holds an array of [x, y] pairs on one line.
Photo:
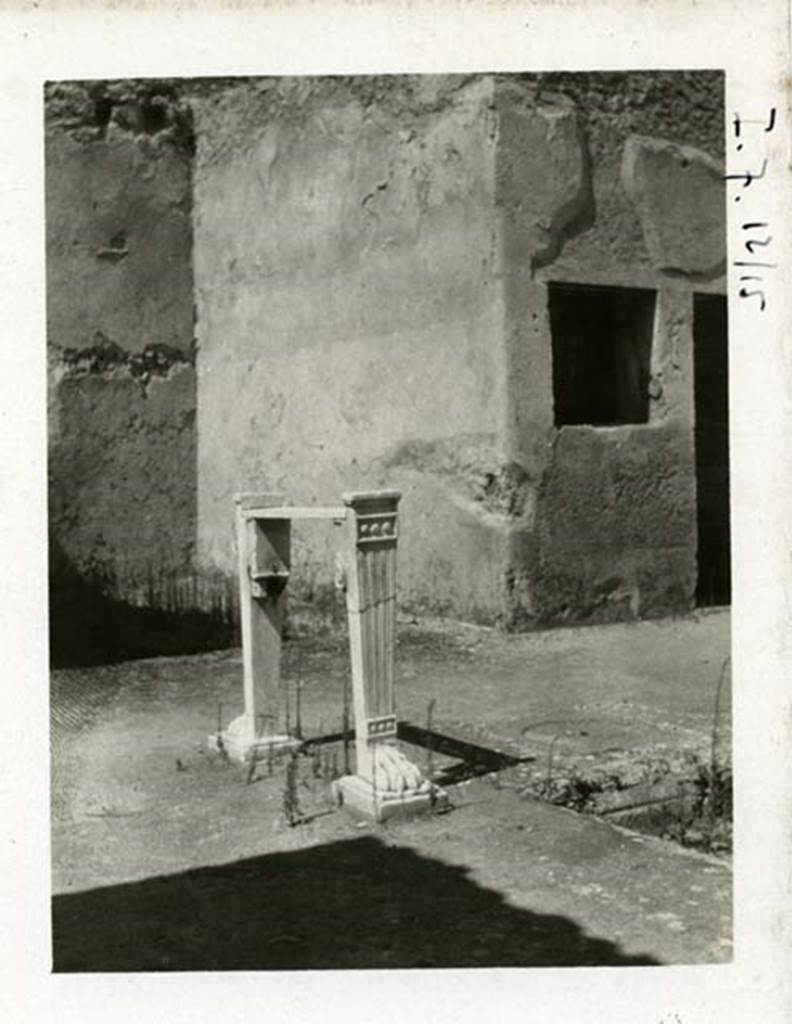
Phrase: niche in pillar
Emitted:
{"points": [[263, 536]]}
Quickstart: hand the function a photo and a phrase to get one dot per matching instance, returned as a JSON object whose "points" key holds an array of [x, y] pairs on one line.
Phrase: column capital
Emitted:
{"points": [[369, 500]]}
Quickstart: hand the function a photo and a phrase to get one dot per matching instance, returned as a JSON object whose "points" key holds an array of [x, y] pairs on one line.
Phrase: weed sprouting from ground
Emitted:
{"points": [[252, 766], [345, 724], [316, 756], [291, 799], [221, 747], [546, 787], [718, 787], [298, 696], [222, 751], [430, 743], [710, 826]]}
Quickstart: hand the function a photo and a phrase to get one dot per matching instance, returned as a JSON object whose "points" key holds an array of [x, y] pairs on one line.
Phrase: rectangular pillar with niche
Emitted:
{"points": [[263, 537]]}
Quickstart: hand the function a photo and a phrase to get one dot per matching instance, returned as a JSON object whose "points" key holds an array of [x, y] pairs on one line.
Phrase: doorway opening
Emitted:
{"points": [[711, 396]]}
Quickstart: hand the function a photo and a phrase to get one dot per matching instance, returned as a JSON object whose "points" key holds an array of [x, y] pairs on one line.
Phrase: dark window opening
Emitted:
{"points": [[602, 349], [154, 113], [103, 108], [711, 395]]}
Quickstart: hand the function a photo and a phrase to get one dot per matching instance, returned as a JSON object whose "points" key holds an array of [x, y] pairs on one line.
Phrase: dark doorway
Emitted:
{"points": [[710, 357]]}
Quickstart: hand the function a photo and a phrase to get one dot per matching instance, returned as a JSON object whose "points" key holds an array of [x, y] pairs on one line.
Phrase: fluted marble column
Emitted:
{"points": [[386, 782]]}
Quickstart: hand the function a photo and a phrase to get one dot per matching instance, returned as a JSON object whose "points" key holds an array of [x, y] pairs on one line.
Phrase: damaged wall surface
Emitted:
{"points": [[374, 261], [377, 267], [122, 500], [348, 316], [612, 526]]}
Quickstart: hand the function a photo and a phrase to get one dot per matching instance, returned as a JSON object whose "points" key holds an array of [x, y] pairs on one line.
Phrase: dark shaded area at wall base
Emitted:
{"points": [[89, 626], [349, 904]]}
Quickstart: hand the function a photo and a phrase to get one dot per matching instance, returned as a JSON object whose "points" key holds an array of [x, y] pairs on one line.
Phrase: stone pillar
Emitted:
{"points": [[264, 560], [386, 782]]}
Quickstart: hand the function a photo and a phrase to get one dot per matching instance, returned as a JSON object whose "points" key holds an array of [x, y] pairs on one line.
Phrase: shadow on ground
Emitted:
{"points": [[474, 760], [356, 903], [88, 626]]}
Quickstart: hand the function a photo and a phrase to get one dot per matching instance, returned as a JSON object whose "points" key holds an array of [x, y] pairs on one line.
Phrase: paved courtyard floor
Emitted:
{"points": [[165, 857]]}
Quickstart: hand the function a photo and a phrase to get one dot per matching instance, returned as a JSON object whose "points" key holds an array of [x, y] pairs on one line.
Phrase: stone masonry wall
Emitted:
{"points": [[608, 529], [120, 333]]}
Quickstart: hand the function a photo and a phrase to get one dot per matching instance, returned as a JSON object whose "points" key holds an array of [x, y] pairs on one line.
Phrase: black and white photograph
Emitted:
{"points": [[389, 521], [411, 593]]}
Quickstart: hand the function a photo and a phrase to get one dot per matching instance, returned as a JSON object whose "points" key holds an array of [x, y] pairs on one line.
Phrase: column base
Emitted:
{"points": [[239, 742], [360, 796]]}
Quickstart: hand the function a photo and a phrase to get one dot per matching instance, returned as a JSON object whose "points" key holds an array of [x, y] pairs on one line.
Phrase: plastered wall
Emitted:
{"points": [[372, 270], [349, 318]]}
